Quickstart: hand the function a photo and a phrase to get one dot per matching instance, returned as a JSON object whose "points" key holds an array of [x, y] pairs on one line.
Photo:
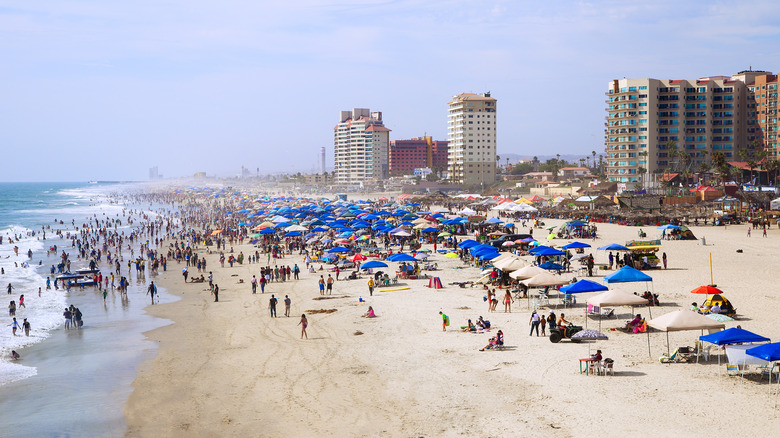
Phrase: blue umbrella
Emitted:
{"points": [[668, 227], [614, 247], [550, 266], [401, 257], [337, 249], [293, 234], [267, 231], [373, 264], [430, 230], [468, 243], [583, 286]]}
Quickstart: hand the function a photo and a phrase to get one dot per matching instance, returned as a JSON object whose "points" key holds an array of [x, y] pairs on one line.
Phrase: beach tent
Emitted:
{"points": [[434, 283], [686, 233], [769, 353], [373, 264], [545, 279], [627, 274], [401, 257], [681, 320], [509, 264], [614, 298], [527, 272], [730, 336], [575, 245], [583, 286], [550, 266], [725, 306]]}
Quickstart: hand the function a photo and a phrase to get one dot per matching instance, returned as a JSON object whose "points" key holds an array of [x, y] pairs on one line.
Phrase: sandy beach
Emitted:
{"points": [[229, 369]]}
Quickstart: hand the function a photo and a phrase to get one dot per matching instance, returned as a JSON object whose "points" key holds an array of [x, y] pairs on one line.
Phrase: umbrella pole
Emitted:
{"points": [[649, 354], [668, 354]]}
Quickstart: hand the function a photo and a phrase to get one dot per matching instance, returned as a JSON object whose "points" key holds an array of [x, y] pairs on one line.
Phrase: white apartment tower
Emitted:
{"points": [[322, 160], [472, 139], [361, 143]]}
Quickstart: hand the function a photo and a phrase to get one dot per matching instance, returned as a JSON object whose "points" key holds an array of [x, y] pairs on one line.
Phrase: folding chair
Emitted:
{"points": [[609, 366]]}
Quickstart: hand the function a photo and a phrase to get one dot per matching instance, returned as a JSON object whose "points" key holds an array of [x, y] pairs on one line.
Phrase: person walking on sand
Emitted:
{"points": [[211, 280], [664, 260], [151, 290], [26, 327], [272, 306], [764, 231], [185, 272], [748, 230], [303, 323], [534, 323], [215, 292], [330, 285], [262, 282], [254, 284], [322, 285], [371, 286], [287, 303], [508, 302], [445, 321]]}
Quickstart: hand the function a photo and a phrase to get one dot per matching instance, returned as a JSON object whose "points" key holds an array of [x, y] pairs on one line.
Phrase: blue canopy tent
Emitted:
{"points": [[732, 336], [575, 245], [373, 264], [549, 252], [770, 353], [583, 286], [627, 274]]}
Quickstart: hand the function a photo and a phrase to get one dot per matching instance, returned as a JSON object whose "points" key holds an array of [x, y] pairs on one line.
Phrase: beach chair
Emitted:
{"points": [[674, 358], [596, 368], [685, 354], [568, 300], [732, 369], [609, 366]]}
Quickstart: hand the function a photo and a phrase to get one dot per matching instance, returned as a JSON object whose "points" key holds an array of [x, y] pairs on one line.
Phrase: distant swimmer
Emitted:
{"points": [[10, 288]]}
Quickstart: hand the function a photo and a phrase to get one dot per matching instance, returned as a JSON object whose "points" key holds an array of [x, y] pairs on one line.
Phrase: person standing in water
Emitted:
{"points": [[26, 327], [14, 325], [303, 323], [151, 290]]}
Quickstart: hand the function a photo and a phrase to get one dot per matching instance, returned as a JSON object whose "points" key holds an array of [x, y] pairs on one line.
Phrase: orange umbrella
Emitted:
{"points": [[707, 290]]}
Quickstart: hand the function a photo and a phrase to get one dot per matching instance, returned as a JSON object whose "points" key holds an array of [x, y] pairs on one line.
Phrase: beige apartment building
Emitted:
{"points": [[472, 139], [651, 123], [360, 150]]}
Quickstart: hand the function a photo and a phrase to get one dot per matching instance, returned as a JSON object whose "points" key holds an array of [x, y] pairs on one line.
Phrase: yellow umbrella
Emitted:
{"points": [[451, 255]]}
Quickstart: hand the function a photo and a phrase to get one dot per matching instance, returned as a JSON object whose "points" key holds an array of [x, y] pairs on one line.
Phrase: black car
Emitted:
{"points": [[508, 237]]}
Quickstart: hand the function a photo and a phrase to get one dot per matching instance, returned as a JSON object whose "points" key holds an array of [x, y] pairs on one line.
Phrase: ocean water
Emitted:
{"points": [[67, 382]]}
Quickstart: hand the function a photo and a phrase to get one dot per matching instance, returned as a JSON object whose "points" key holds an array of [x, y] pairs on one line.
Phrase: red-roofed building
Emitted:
{"points": [[361, 143]]}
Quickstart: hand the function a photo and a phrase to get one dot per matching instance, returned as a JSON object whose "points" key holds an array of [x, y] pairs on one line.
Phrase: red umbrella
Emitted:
{"points": [[358, 257], [707, 290]]}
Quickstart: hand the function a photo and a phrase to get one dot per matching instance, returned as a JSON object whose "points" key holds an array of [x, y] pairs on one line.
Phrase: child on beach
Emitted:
{"points": [[303, 323], [14, 325]]}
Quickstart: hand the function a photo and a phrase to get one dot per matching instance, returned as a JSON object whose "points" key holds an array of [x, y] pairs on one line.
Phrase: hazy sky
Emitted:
{"points": [[101, 89]]}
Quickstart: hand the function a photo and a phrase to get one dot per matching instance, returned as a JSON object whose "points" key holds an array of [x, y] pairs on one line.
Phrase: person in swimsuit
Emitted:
{"points": [[508, 302], [322, 285], [303, 323], [26, 327], [14, 325]]}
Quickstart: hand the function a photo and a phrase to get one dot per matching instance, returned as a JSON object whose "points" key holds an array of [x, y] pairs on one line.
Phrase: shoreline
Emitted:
{"points": [[228, 368]]}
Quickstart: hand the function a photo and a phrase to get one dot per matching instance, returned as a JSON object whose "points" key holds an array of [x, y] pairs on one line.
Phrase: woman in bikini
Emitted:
{"points": [[507, 302]]}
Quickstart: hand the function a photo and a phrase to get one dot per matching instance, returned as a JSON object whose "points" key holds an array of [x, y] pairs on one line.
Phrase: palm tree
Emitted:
{"points": [[772, 166]]}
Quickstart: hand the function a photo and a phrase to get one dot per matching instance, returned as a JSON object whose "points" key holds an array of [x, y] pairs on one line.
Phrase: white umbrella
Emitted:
{"points": [[527, 272]]}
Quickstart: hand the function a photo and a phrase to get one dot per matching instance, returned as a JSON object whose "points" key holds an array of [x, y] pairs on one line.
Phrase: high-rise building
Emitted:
{"points": [[472, 139], [655, 126], [322, 160], [360, 143], [407, 155], [154, 173]]}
